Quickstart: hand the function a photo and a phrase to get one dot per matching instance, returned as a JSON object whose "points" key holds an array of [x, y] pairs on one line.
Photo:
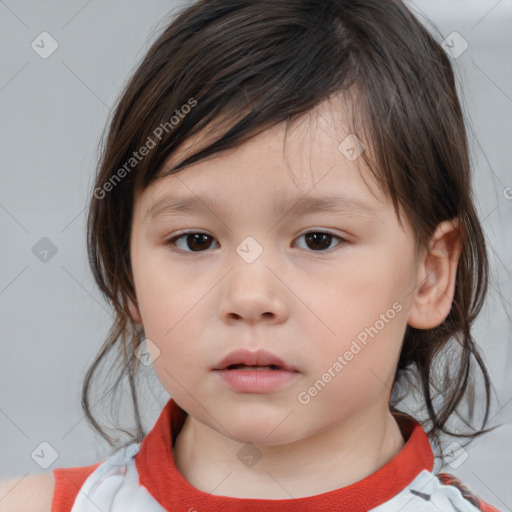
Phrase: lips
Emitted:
{"points": [[258, 372], [244, 359]]}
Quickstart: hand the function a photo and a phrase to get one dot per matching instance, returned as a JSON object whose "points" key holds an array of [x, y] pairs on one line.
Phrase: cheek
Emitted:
{"points": [[363, 319], [167, 296], [350, 372], [173, 317], [354, 298]]}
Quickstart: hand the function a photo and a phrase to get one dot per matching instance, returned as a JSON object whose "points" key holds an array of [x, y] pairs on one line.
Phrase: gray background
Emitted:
{"points": [[53, 319]]}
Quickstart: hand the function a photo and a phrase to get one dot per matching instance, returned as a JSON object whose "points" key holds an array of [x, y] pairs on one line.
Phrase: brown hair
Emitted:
{"points": [[274, 61]]}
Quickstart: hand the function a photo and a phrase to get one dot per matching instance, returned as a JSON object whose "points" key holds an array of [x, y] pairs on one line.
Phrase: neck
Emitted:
{"points": [[208, 460]]}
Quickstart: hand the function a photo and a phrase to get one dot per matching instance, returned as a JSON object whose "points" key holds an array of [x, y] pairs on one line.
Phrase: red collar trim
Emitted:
{"points": [[158, 473]]}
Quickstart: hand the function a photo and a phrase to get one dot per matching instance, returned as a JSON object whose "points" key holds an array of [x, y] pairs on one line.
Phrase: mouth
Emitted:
{"points": [[258, 372], [247, 360], [252, 367]]}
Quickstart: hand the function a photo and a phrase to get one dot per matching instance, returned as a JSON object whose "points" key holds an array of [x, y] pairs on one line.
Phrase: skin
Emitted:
{"points": [[301, 302]]}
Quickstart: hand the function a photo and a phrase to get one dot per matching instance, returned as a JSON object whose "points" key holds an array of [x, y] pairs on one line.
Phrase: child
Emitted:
{"points": [[260, 131]]}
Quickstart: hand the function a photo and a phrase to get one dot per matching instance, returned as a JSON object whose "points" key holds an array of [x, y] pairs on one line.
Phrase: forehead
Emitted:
{"points": [[335, 113], [308, 161]]}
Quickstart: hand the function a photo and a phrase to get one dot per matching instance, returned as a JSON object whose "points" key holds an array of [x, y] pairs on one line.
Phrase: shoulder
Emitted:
{"points": [[54, 491], [429, 492], [466, 492], [29, 494]]}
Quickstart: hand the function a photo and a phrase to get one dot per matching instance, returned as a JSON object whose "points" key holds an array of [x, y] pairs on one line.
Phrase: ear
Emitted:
{"points": [[134, 312], [436, 278]]}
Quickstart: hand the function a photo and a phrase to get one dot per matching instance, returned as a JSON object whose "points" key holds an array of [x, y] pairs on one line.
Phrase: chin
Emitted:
{"points": [[263, 430], [261, 437]]}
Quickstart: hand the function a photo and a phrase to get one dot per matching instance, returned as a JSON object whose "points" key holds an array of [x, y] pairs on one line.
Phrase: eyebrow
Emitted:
{"points": [[330, 203]]}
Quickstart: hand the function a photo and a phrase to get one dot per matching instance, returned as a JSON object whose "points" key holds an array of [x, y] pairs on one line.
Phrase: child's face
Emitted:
{"points": [[334, 310]]}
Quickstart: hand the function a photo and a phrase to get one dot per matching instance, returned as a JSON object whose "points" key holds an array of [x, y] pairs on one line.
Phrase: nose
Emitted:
{"points": [[253, 292]]}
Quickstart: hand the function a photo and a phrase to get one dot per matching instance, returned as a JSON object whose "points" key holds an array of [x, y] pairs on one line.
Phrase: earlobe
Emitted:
{"points": [[436, 278]]}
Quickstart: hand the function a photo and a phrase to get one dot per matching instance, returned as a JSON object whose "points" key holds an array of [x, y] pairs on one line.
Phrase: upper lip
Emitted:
{"points": [[259, 357]]}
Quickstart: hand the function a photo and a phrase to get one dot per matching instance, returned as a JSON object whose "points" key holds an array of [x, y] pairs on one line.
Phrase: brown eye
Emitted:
{"points": [[194, 242], [320, 241]]}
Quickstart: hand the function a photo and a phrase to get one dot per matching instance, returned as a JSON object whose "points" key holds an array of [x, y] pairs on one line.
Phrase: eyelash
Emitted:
{"points": [[171, 242]]}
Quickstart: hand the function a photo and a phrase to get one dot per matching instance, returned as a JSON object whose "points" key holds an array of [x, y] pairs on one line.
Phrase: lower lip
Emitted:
{"points": [[256, 381]]}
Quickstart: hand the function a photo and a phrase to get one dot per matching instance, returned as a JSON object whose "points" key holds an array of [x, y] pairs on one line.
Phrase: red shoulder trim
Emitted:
{"points": [[448, 479], [68, 482]]}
